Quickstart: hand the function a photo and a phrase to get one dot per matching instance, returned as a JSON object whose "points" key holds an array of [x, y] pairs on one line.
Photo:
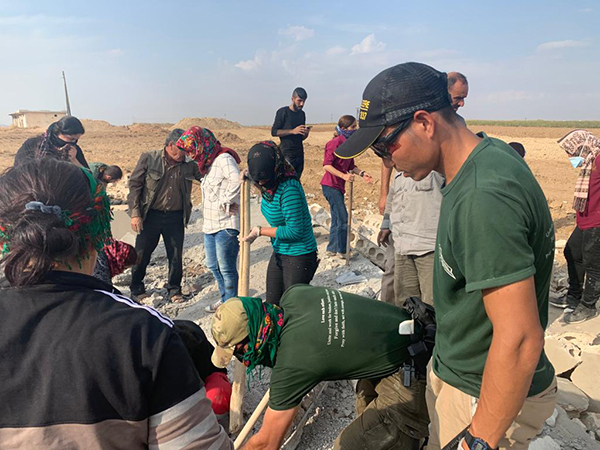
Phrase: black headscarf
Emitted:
{"points": [[54, 145], [266, 162]]}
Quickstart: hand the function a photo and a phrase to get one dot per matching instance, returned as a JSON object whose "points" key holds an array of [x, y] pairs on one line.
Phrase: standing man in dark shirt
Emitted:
{"points": [[160, 189], [290, 127]]}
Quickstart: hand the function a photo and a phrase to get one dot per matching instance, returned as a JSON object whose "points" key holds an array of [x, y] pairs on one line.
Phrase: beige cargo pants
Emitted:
{"points": [[451, 411]]}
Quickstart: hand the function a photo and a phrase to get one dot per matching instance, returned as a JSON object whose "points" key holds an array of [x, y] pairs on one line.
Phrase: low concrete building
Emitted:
{"points": [[24, 118]]}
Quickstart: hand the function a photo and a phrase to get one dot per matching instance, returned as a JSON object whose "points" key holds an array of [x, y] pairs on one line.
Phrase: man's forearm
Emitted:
{"points": [[507, 376], [282, 133], [257, 443]]}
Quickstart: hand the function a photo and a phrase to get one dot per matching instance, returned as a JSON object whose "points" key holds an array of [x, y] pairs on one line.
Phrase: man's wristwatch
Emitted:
{"points": [[475, 443], [362, 173]]}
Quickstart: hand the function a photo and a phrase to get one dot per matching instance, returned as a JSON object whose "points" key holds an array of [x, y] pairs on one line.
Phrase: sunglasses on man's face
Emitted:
{"points": [[381, 147]]}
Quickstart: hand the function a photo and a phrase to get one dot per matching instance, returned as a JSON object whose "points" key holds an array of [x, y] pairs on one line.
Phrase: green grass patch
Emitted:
{"points": [[538, 123]]}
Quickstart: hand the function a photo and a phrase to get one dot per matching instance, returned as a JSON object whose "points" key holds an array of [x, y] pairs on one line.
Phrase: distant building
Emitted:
{"points": [[35, 119]]}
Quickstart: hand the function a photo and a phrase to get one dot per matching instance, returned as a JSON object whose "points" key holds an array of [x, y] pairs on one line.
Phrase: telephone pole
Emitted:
{"points": [[66, 94]]}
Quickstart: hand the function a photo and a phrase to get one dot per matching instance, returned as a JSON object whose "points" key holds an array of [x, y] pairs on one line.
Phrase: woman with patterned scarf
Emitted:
{"points": [[220, 206], [337, 172], [582, 251], [58, 142], [294, 258]]}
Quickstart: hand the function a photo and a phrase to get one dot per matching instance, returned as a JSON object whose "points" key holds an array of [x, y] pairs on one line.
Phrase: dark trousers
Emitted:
{"points": [[170, 226], [582, 253], [338, 231], [285, 271], [296, 159], [391, 416]]}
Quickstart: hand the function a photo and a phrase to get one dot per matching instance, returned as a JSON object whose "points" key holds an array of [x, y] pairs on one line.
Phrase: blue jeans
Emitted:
{"points": [[339, 220], [222, 250]]}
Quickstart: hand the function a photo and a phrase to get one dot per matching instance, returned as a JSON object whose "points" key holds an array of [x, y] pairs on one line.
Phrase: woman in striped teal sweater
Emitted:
{"points": [[294, 258]]}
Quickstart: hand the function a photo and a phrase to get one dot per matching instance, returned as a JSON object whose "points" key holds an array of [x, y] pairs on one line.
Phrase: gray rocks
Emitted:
{"points": [[571, 398]]}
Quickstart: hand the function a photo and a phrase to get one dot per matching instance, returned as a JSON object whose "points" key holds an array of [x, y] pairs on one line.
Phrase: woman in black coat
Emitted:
{"points": [[58, 142]]}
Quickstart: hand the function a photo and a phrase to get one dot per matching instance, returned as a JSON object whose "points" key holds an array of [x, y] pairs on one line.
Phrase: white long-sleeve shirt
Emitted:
{"points": [[221, 189]]}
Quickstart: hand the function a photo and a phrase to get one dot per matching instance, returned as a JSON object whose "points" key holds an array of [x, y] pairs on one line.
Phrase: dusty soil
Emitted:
{"points": [[122, 145]]}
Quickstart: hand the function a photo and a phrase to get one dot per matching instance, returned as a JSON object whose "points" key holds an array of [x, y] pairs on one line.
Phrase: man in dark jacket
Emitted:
{"points": [[160, 189]]}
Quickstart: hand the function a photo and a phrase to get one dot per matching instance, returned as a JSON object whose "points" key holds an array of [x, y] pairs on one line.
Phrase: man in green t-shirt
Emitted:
{"points": [[322, 334], [493, 261]]}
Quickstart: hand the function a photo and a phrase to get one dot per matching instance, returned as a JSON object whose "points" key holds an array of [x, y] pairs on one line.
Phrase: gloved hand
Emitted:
{"points": [[254, 233]]}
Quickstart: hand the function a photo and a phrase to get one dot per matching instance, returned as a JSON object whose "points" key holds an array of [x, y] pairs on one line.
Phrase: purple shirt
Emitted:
{"points": [[343, 165]]}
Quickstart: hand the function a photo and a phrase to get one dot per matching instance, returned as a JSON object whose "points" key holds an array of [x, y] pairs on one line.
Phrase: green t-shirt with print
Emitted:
{"points": [[333, 335], [495, 229]]}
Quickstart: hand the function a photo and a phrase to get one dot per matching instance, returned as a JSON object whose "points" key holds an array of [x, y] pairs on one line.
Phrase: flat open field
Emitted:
{"points": [[122, 145]]}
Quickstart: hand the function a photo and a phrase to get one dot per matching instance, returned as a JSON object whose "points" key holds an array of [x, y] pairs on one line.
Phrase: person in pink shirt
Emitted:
{"points": [[582, 251], [337, 172]]}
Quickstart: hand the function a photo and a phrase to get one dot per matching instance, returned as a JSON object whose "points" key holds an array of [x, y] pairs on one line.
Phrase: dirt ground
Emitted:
{"points": [[122, 145]]}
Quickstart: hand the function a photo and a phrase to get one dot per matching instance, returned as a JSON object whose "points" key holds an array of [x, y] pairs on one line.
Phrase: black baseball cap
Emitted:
{"points": [[392, 97]]}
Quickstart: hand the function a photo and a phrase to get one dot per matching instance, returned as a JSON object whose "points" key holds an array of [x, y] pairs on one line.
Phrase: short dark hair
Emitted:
{"points": [[300, 93], [114, 172], [448, 114], [518, 148], [69, 125], [174, 136], [346, 121], [38, 239], [454, 77]]}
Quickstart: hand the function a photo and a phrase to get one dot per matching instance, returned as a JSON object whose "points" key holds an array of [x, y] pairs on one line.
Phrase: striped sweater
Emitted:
{"points": [[84, 367], [288, 211]]}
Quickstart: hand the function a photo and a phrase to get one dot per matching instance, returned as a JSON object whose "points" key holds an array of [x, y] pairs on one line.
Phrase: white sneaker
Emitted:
{"points": [[212, 308]]}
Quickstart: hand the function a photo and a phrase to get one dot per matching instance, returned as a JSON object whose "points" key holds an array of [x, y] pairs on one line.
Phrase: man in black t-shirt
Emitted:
{"points": [[290, 127]]}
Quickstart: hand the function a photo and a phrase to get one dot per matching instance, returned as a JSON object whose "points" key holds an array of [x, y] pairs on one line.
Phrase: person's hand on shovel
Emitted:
{"points": [[251, 237], [368, 178]]}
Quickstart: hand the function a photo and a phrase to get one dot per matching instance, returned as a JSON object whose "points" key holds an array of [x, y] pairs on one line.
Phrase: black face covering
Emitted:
{"points": [[58, 142]]}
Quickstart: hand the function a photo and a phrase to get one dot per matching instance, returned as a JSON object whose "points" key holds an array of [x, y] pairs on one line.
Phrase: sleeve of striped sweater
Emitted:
{"points": [[188, 423], [292, 202]]}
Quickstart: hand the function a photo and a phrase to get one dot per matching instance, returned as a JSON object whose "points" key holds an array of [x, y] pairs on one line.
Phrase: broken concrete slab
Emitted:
{"points": [[571, 398], [551, 421], [585, 377], [584, 333], [591, 420], [544, 443], [563, 355], [570, 434]]}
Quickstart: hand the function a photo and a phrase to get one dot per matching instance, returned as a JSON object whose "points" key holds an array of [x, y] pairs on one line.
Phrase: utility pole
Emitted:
{"points": [[66, 94]]}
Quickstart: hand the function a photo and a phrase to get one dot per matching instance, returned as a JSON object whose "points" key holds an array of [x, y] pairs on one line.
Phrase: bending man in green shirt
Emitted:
{"points": [[492, 266], [322, 334]]}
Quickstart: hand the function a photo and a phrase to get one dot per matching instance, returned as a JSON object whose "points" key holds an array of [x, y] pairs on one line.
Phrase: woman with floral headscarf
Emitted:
{"points": [[337, 172], [582, 251], [294, 258], [220, 206]]}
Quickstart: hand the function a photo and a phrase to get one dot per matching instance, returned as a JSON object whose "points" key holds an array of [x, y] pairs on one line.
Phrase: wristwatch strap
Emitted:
{"points": [[476, 443]]}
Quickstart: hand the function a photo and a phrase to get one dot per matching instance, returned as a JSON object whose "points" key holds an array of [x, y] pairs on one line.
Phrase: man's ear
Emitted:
{"points": [[425, 123]]}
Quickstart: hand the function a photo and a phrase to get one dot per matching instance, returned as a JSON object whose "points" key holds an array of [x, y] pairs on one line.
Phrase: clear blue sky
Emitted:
{"points": [[159, 61]]}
